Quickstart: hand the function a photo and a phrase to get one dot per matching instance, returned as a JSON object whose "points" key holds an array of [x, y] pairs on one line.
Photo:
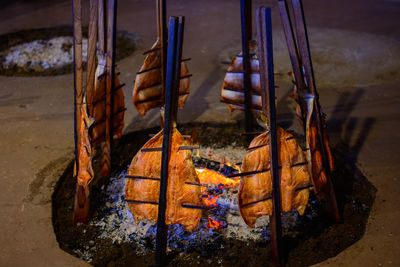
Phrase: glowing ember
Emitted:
{"points": [[214, 223], [210, 200], [207, 176]]}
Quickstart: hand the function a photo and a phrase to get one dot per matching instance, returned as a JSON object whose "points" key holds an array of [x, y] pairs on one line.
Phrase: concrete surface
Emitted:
{"points": [[356, 52]]}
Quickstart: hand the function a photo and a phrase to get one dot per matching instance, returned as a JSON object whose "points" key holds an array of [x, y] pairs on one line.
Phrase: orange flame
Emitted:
{"points": [[212, 223], [207, 176]]}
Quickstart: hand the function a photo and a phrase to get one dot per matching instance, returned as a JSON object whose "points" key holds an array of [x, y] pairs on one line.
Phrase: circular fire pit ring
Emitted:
{"points": [[111, 236], [48, 51]]}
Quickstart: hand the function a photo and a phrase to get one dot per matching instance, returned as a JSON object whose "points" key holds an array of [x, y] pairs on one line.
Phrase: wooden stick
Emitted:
{"points": [[331, 208], [91, 52], [264, 30], [171, 103], [100, 26], [245, 14], [78, 76], [293, 54], [110, 63]]}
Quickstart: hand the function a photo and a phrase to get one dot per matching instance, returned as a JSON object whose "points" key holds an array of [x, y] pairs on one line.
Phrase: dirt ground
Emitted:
{"points": [[356, 50]]}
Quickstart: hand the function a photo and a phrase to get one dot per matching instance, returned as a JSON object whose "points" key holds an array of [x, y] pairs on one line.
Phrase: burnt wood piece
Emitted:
{"points": [[265, 51], [331, 207], [245, 15], [175, 40], [78, 75]]}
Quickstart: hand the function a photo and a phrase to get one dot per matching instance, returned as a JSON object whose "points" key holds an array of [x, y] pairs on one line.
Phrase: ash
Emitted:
{"points": [[116, 223], [40, 55]]}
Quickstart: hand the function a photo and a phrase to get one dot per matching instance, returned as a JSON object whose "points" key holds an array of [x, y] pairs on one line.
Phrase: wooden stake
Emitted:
{"points": [[78, 73], [264, 30], [245, 14], [171, 103], [111, 24], [331, 208], [91, 52]]}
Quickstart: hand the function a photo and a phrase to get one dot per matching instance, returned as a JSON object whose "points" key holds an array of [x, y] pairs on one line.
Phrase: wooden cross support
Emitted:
{"points": [[265, 52], [175, 41]]}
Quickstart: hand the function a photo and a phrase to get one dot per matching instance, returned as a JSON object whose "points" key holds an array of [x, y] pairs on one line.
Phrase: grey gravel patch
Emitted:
{"points": [[42, 55]]}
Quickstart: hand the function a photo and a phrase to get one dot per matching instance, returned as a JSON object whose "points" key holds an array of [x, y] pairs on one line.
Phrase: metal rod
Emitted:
{"points": [[198, 184], [78, 76], [264, 29], [254, 202], [141, 177], [245, 15], [238, 105], [270, 197], [256, 147], [189, 147], [151, 69], [246, 173], [151, 50], [154, 149], [189, 206], [171, 103], [132, 201]]}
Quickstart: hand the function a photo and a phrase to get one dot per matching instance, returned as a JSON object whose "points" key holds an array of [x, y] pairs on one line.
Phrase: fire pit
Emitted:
{"points": [[222, 237]]}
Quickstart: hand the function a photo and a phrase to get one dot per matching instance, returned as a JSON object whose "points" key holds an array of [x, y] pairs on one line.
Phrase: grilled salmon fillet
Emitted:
{"points": [[255, 190], [180, 171]]}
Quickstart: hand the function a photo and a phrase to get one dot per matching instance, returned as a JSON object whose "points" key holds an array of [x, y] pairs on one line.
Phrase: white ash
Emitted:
{"points": [[227, 154], [236, 227], [40, 55], [118, 224]]}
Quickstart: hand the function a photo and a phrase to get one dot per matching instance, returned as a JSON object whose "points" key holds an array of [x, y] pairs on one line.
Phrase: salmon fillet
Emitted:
{"points": [[255, 190], [85, 171], [180, 171], [232, 89], [147, 92]]}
